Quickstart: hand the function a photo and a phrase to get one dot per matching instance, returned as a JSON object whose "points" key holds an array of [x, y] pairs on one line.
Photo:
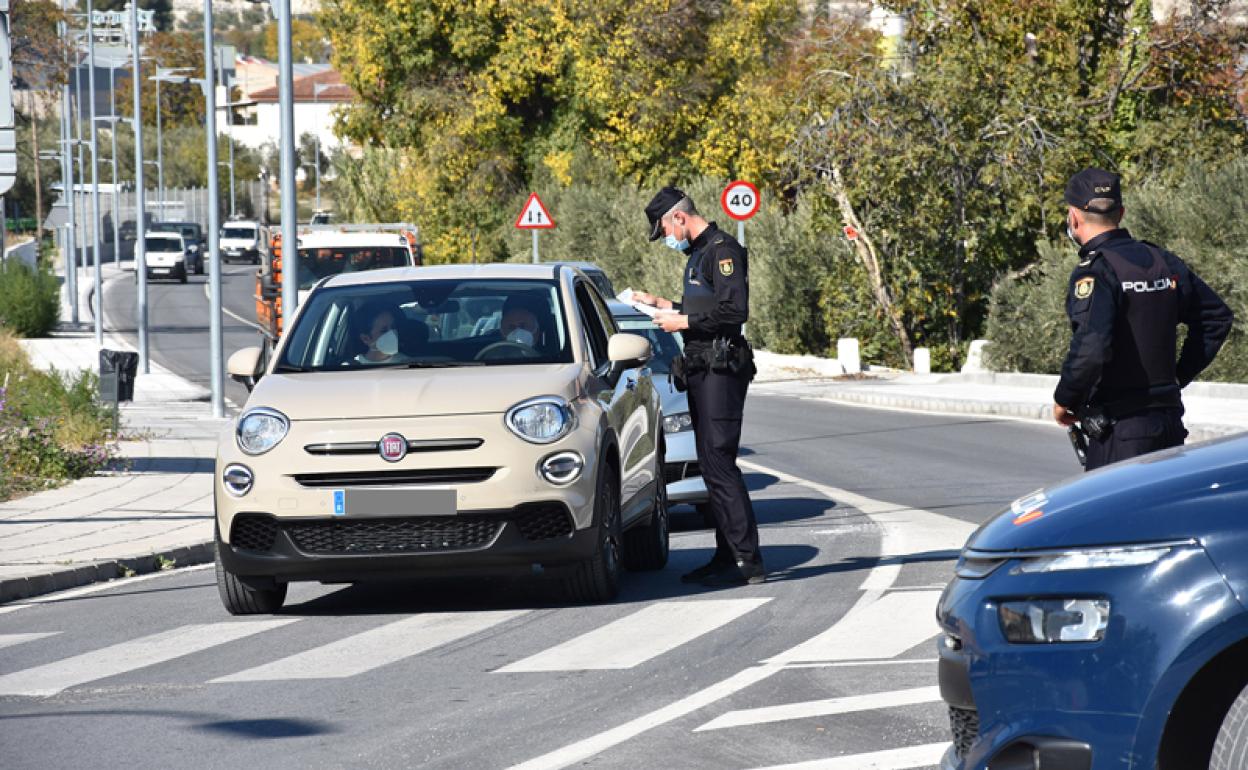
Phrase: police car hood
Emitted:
{"points": [[401, 392], [1197, 492]]}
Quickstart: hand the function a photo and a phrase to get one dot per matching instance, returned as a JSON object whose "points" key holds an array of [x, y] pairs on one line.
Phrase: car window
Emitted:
{"points": [[315, 264], [665, 345], [435, 323], [239, 233], [162, 244], [593, 324]]}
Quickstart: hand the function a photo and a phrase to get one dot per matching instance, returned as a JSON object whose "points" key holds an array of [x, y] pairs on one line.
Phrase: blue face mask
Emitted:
{"points": [[672, 243]]}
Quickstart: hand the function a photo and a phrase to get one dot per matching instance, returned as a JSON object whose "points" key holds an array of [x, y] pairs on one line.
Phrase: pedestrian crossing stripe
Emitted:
{"points": [[8, 640]]}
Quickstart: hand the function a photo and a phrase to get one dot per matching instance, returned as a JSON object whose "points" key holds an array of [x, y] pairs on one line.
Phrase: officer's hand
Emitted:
{"points": [[1064, 416], [647, 298], [671, 322]]}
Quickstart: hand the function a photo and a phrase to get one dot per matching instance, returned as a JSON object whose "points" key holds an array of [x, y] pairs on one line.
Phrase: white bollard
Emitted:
{"points": [[847, 354], [975, 357], [922, 361]]}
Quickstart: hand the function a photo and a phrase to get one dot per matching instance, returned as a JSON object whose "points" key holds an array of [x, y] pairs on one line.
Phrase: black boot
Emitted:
{"points": [[717, 564], [739, 574]]}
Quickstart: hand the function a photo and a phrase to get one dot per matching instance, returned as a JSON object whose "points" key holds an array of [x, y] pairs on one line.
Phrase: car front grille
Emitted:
{"points": [[673, 472], [965, 725], [253, 532], [416, 534], [394, 477], [543, 521]]}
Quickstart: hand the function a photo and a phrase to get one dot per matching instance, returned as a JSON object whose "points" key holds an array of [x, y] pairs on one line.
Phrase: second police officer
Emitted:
{"points": [[1123, 373], [718, 368]]}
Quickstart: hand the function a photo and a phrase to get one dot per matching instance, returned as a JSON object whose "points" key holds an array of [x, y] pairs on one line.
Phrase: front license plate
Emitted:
{"points": [[160, 269], [393, 502]]}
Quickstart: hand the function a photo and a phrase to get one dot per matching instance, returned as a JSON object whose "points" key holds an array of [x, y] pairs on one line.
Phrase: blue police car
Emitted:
{"points": [[1101, 623]]}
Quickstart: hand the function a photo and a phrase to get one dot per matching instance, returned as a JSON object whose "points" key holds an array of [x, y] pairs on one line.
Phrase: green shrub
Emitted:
{"points": [[1203, 219], [29, 299]]}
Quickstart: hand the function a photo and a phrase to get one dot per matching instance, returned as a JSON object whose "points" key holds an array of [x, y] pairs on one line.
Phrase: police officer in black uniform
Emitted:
{"points": [[1120, 380], [718, 366]]}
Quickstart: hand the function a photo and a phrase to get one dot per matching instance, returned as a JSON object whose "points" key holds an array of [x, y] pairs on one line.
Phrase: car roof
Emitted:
{"points": [[503, 270], [165, 234], [175, 224], [329, 239], [241, 223]]}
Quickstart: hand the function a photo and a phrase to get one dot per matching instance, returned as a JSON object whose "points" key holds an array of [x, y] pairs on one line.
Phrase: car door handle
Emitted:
{"points": [[630, 383]]}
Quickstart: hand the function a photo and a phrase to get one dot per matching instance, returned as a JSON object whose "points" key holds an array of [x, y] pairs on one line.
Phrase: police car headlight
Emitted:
{"points": [[261, 429], [541, 420], [1049, 621], [677, 423], [1093, 558]]}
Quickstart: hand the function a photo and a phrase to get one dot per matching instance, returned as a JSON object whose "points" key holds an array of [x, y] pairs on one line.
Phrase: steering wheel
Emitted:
{"points": [[505, 349]]}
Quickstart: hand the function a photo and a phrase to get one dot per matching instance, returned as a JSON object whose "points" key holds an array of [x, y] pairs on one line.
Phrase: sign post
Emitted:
{"points": [[740, 201], [535, 217]]}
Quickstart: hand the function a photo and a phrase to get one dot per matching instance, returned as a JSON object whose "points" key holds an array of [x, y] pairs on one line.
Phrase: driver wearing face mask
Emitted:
{"points": [[519, 324], [378, 333]]}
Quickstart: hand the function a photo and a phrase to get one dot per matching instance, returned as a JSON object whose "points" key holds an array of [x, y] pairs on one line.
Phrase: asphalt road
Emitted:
{"points": [[860, 513]]}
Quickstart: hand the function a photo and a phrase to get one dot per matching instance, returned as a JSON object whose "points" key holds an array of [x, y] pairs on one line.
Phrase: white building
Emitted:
{"points": [[257, 120]]}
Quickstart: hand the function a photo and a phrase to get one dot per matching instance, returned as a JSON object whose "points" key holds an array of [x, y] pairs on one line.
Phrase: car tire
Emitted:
{"points": [[597, 579], [1230, 748], [240, 598], [199, 269], [646, 547], [182, 275]]}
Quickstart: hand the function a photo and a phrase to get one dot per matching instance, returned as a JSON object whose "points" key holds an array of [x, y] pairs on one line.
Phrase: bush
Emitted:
{"points": [[29, 299], [51, 427], [1203, 219]]}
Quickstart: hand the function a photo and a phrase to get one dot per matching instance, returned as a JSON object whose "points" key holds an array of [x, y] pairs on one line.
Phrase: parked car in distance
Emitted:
{"points": [[681, 472], [165, 255], [449, 420], [1100, 622], [193, 235], [242, 241]]}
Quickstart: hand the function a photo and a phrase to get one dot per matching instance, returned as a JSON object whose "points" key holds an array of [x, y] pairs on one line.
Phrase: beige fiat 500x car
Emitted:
{"points": [[458, 420]]}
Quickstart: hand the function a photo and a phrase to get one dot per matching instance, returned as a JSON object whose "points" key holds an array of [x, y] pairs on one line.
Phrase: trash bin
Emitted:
{"points": [[118, 369]]}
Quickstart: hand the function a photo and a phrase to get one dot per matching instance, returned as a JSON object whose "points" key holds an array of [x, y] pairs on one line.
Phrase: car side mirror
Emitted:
{"points": [[626, 351], [246, 366]]}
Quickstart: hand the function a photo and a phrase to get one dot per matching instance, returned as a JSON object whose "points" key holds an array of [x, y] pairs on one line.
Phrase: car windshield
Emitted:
{"points": [[429, 323], [161, 244], [190, 231], [665, 345], [315, 264], [239, 233]]}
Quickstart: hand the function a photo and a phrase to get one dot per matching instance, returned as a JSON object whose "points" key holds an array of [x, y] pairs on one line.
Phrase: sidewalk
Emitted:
{"points": [[152, 512]]}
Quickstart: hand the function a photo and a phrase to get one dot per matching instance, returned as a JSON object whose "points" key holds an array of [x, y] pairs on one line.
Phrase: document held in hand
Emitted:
{"points": [[626, 297]]}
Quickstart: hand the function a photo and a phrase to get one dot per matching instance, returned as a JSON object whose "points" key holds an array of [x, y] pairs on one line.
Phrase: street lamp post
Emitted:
{"points": [[67, 174], [229, 129], [98, 291], [112, 113], [140, 225], [286, 98], [166, 75], [214, 220]]}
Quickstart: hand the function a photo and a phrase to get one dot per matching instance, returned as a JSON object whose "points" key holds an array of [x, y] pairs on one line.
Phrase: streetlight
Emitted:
{"points": [[140, 200], [113, 120], [167, 75], [214, 216]]}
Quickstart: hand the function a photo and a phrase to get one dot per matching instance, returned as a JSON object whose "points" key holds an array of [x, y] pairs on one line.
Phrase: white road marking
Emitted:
{"points": [[8, 640], [73, 593], [892, 759], [931, 531], [128, 656], [376, 647], [885, 628], [634, 639], [826, 707], [861, 663]]}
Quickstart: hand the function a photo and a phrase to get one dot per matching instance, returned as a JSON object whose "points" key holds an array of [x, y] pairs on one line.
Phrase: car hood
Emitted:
{"points": [[1175, 494], [383, 393]]}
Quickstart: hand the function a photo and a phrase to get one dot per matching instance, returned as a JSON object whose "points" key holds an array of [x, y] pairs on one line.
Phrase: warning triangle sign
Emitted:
{"points": [[534, 215]]}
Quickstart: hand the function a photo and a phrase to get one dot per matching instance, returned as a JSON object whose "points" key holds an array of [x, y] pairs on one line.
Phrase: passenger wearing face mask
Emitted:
{"points": [[1126, 297], [378, 333]]}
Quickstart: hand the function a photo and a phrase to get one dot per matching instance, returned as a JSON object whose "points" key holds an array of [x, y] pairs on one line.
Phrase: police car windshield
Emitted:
{"points": [[315, 264], [665, 345], [429, 324]]}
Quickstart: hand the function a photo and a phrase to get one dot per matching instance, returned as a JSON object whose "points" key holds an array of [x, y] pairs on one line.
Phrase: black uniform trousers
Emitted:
{"points": [[1137, 434], [716, 405]]}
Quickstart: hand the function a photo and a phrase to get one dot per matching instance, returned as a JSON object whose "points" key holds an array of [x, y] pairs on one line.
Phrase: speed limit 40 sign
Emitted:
{"points": [[740, 200]]}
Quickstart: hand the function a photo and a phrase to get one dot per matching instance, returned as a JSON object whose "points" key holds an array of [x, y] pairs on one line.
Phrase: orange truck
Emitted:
{"points": [[326, 250]]}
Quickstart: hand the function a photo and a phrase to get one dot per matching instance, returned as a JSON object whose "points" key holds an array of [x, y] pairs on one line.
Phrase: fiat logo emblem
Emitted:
{"points": [[393, 447]]}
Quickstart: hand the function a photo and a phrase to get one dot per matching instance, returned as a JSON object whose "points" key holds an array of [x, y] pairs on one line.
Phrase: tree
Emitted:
{"points": [[308, 43], [40, 60], [181, 103]]}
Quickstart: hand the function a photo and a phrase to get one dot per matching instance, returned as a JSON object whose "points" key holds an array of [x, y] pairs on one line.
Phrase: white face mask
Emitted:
{"points": [[522, 336], [388, 343]]}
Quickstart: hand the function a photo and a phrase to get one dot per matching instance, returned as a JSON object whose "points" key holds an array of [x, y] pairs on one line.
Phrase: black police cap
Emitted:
{"points": [[659, 205], [1094, 184]]}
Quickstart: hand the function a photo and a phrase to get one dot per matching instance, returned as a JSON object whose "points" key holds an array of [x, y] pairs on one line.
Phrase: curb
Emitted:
{"points": [[12, 589]]}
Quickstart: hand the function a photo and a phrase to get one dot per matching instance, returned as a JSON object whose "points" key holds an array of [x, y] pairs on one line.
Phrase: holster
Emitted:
{"points": [[680, 373], [734, 357], [1096, 422]]}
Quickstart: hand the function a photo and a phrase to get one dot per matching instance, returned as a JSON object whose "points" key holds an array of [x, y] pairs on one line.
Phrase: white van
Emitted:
{"points": [[242, 241], [165, 254]]}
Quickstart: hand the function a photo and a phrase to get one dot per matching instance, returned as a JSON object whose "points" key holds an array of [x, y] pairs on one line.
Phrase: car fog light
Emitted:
{"points": [[1044, 621], [563, 468], [237, 479]]}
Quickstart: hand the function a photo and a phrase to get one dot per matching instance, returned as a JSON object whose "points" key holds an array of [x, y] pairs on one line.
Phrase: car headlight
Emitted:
{"points": [[1093, 558], [677, 423], [261, 429], [1046, 621], [541, 420]]}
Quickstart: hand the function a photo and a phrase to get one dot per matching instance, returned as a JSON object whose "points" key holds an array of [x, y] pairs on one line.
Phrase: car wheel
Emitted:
{"points": [[182, 275], [646, 547], [240, 598], [597, 579], [1230, 749]]}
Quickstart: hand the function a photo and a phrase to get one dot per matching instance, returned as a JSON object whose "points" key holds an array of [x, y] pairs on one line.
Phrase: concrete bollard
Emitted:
{"points": [[922, 361], [847, 354], [975, 357]]}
